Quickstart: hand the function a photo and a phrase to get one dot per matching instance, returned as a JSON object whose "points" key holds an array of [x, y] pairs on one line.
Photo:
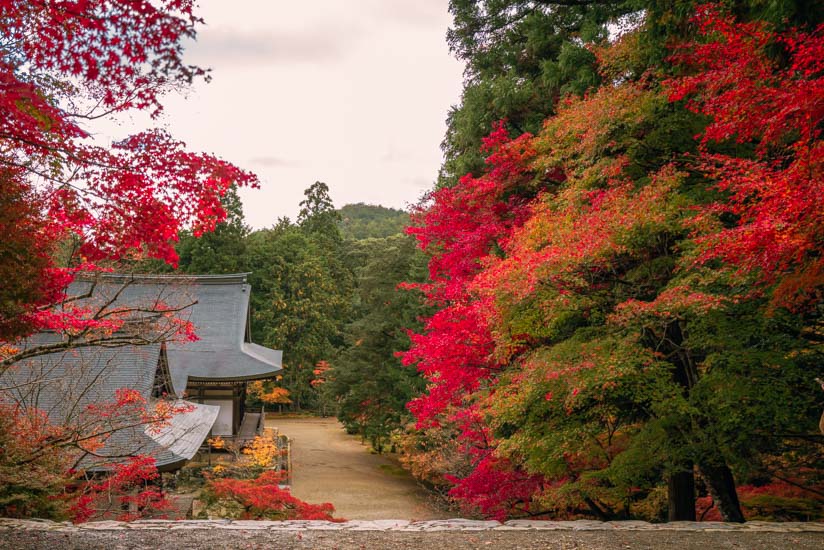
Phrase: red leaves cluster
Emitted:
{"points": [[455, 355], [129, 486], [461, 227], [554, 222], [496, 489], [570, 243], [128, 408], [463, 223], [67, 62], [777, 197], [263, 498], [125, 53]]}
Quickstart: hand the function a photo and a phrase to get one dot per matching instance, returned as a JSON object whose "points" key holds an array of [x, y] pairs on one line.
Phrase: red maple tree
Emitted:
{"points": [[62, 65], [265, 498], [461, 227], [776, 104], [71, 204], [543, 241]]}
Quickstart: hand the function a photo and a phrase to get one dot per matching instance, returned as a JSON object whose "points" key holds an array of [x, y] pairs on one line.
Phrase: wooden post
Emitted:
{"points": [[289, 459]]}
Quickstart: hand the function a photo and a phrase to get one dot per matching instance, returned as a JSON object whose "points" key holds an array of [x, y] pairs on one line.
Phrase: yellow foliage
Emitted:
{"points": [[263, 451], [7, 351]]}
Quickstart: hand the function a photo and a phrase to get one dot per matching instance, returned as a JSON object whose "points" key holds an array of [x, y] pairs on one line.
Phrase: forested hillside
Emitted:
{"points": [[363, 221]]}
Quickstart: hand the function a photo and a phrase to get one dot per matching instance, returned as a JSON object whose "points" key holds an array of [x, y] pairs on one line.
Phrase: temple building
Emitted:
{"points": [[205, 379], [215, 369]]}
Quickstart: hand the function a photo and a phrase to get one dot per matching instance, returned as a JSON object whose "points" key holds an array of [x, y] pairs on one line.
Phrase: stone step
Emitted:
{"points": [[457, 524]]}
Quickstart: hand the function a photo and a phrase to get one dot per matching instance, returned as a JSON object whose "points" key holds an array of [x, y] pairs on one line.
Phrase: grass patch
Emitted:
{"points": [[393, 470]]}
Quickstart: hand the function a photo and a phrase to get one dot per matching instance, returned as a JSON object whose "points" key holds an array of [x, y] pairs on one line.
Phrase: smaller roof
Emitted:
{"points": [[170, 444], [184, 434], [71, 386]]}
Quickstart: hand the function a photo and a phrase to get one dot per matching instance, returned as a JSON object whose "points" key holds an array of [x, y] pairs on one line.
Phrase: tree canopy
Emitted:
{"points": [[364, 221], [71, 203], [626, 286]]}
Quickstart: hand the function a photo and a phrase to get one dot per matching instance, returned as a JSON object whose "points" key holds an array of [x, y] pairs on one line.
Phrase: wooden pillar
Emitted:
{"points": [[681, 496], [236, 412], [243, 399]]}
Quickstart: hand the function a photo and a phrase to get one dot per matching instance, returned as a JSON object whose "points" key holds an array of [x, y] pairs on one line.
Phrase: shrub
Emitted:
{"points": [[263, 498]]}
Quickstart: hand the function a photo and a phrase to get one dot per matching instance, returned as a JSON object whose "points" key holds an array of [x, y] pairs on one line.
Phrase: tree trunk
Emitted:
{"points": [[721, 486], [681, 496], [715, 472], [597, 510]]}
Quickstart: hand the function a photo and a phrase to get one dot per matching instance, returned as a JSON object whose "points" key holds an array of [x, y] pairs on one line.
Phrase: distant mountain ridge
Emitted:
{"points": [[365, 221]]}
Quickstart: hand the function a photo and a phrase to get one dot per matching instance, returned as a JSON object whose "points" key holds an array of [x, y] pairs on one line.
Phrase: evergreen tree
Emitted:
{"points": [[521, 56], [368, 381], [318, 216], [222, 251], [302, 291]]}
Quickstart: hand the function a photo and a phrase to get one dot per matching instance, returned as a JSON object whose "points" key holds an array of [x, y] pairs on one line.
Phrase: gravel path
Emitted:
{"points": [[331, 466]]}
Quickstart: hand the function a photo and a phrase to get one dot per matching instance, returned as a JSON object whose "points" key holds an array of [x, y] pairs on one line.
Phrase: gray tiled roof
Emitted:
{"points": [[84, 376], [73, 388], [218, 308]]}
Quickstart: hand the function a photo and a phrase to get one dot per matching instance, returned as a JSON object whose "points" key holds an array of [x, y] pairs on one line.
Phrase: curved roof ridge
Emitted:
{"points": [[222, 278]]}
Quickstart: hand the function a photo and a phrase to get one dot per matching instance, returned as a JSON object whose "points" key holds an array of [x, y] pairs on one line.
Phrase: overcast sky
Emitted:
{"points": [[350, 92]]}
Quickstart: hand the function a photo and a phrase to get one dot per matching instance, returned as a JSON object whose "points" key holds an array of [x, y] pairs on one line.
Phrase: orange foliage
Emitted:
{"points": [[274, 395], [216, 442], [320, 371]]}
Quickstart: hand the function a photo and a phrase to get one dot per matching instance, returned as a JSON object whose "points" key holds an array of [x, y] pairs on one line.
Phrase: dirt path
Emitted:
{"points": [[331, 466]]}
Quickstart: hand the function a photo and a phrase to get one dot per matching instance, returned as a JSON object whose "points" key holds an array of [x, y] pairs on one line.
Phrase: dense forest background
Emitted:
{"points": [[325, 291]]}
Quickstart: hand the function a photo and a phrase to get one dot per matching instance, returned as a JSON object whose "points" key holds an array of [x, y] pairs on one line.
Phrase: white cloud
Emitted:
{"points": [[271, 162], [224, 46]]}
